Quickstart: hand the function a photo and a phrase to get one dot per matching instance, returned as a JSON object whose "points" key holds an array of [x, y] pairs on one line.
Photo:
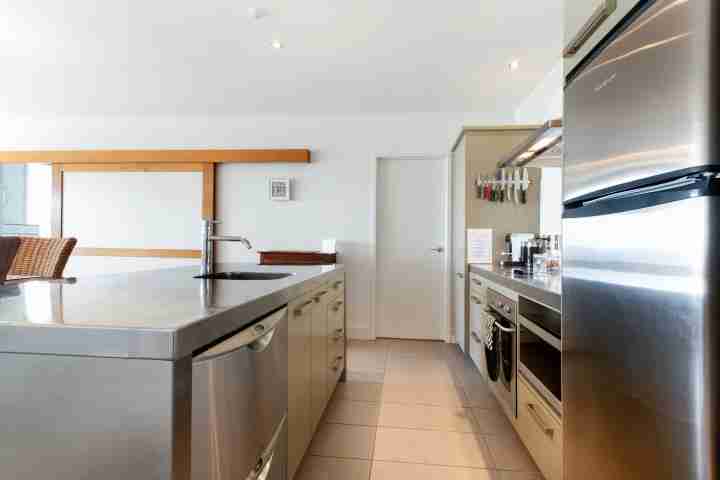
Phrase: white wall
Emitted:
{"points": [[333, 195], [545, 102]]}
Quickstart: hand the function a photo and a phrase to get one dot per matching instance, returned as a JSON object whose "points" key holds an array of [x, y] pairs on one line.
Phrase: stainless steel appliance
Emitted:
{"points": [[239, 404], [539, 349], [501, 359], [641, 271]]}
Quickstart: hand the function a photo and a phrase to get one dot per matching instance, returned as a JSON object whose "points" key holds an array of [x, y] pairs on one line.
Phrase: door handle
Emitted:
{"points": [[550, 432], [262, 469], [586, 31], [438, 249]]}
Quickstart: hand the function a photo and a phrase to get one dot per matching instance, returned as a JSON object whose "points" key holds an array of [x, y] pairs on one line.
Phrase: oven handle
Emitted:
{"points": [[497, 324]]}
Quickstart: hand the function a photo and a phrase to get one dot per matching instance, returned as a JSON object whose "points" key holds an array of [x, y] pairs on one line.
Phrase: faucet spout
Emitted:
{"points": [[207, 260]]}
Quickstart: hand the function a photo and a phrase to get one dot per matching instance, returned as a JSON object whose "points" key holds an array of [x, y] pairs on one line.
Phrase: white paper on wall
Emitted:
{"points": [[479, 245]]}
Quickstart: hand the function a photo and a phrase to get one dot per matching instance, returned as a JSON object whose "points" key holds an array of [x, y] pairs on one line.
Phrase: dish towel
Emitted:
{"points": [[489, 327]]}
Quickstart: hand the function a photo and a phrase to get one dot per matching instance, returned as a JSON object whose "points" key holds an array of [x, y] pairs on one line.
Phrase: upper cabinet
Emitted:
{"points": [[587, 22]]}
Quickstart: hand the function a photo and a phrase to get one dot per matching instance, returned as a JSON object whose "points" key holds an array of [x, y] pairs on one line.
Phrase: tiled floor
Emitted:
{"points": [[414, 410]]}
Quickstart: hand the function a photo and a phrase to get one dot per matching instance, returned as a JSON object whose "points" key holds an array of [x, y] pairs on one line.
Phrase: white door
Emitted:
{"points": [[411, 219], [458, 246]]}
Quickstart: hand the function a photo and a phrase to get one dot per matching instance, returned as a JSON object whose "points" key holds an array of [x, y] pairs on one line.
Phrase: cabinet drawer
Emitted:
{"points": [[336, 317], [477, 351], [478, 286], [540, 430], [337, 286], [336, 365]]}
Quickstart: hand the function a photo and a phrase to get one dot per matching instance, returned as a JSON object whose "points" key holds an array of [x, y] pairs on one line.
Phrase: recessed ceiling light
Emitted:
{"points": [[257, 13], [277, 44], [514, 65]]}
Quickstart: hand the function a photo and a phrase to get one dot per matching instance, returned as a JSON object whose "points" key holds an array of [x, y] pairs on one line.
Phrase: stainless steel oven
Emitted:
{"points": [[539, 350], [501, 351]]}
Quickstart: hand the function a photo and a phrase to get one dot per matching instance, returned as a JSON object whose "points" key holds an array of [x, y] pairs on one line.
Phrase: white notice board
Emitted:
{"points": [[479, 245]]}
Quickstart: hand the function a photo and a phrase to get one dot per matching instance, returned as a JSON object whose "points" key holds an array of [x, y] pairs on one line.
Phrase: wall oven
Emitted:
{"points": [[539, 350], [501, 349]]}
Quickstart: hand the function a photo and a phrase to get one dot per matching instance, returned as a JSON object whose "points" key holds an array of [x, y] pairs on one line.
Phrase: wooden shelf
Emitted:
{"points": [[287, 155]]}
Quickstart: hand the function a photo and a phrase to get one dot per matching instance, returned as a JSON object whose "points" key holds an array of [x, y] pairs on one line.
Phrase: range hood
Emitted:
{"points": [[543, 148]]}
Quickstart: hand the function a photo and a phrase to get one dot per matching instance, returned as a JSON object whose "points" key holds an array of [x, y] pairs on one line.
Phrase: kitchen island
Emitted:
{"points": [[97, 376]]}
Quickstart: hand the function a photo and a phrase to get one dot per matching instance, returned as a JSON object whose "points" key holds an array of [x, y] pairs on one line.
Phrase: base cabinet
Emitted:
{"points": [[540, 430], [299, 368], [316, 362]]}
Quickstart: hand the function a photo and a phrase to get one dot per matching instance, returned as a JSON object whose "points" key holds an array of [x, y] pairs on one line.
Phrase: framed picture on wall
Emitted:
{"points": [[280, 189]]}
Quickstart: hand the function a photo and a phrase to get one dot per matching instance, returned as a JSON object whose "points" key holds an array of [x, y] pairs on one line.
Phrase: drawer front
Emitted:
{"points": [[336, 365], [540, 431], [478, 286], [337, 286], [336, 317], [477, 351]]}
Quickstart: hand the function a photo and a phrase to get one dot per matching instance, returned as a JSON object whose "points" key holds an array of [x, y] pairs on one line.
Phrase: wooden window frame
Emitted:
{"points": [[208, 202]]}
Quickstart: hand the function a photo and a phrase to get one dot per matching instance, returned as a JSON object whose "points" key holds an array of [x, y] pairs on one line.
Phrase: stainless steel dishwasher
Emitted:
{"points": [[239, 404]]}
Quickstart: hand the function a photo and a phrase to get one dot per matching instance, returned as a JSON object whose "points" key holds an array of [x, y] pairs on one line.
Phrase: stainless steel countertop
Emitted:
{"points": [[161, 314], [546, 289]]}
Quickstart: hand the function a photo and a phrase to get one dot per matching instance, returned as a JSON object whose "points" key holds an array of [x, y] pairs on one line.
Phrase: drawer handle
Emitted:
{"points": [[337, 306], [338, 361], [476, 337], [319, 295], [602, 13], [550, 432], [476, 299], [338, 334], [337, 285], [299, 310], [477, 282]]}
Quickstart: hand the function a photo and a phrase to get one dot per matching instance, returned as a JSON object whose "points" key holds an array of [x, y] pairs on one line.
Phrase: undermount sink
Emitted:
{"points": [[245, 276]]}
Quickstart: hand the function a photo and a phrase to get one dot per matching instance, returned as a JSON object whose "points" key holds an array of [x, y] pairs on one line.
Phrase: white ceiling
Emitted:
{"points": [[208, 57]]}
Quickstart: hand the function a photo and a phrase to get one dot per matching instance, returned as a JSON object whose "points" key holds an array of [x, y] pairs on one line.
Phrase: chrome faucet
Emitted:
{"points": [[207, 258]]}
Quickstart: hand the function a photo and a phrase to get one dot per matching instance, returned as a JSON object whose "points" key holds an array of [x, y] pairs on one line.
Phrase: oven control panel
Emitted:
{"points": [[502, 304]]}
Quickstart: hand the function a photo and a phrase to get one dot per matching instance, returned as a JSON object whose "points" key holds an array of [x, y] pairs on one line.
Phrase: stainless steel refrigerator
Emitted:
{"points": [[641, 271]]}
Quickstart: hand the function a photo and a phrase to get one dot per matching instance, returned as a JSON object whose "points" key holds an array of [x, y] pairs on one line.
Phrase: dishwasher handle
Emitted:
{"points": [[256, 338], [262, 469]]}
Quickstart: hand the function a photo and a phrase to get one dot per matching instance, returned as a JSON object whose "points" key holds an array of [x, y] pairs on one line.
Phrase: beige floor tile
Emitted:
{"points": [[429, 375], [508, 475], [426, 417], [420, 394], [352, 412], [345, 441], [508, 453], [363, 391], [491, 421], [413, 347], [327, 468], [414, 471], [479, 395], [431, 447], [366, 376]]}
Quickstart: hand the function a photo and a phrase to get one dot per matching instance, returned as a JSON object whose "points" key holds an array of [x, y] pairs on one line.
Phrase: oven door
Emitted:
{"points": [[505, 388]]}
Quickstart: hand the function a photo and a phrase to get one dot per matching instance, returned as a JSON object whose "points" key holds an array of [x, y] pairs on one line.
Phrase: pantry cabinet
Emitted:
{"points": [[316, 362]]}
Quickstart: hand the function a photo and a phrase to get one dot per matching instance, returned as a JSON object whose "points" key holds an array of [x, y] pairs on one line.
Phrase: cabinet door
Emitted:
{"points": [[299, 380], [318, 388], [587, 22]]}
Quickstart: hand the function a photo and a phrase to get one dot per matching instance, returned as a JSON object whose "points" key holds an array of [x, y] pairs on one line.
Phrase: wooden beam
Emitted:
{"points": [[135, 252], [132, 167], [208, 193], [277, 155], [56, 213]]}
